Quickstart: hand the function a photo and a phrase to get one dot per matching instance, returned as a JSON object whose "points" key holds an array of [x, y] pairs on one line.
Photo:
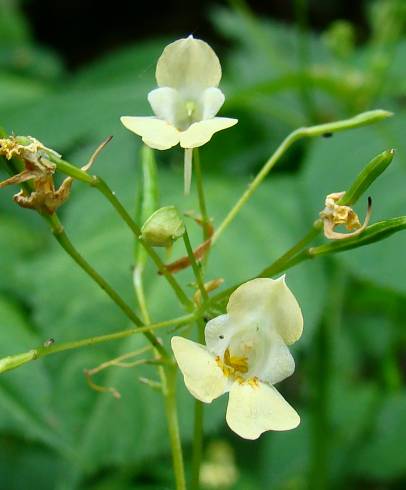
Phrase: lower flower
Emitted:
{"points": [[245, 354]]}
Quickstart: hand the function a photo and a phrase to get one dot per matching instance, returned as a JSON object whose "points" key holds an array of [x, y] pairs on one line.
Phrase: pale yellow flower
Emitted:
{"points": [[186, 103], [246, 354]]}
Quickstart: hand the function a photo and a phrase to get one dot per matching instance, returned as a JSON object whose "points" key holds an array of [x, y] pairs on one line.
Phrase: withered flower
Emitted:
{"points": [[44, 197], [336, 214]]}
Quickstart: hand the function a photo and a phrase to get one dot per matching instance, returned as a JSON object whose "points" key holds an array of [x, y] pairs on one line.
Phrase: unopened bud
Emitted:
{"points": [[163, 227]]}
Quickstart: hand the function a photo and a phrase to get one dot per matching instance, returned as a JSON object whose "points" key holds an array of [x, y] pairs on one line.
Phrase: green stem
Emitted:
{"points": [[198, 428], [139, 292], [106, 191], [323, 365], [173, 426], [284, 262], [148, 203], [200, 193], [195, 267], [292, 257], [307, 132], [67, 245], [102, 187], [53, 348]]}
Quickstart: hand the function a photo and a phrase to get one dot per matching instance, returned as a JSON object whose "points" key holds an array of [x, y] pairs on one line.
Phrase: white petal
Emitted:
{"points": [[211, 101], [278, 364], [167, 104], [155, 133], [268, 303], [190, 64], [201, 132], [253, 410], [202, 376], [218, 333]]}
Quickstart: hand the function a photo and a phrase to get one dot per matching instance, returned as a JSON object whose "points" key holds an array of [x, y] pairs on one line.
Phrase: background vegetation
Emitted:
{"points": [[69, 91]]}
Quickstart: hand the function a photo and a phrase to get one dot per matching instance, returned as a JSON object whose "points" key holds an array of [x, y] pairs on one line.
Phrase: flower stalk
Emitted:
{"points": [[195, 267], [360, 120], [200, 193], [12, 362], [105, 190]]}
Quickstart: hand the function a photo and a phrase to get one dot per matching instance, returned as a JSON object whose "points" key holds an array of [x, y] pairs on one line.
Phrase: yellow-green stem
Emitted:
{"points": [[67, 245], [362, 119], [198, 428], [200, 194], [290, 258], [14, 361], [195, 267], [173, 425], [107, 192]]}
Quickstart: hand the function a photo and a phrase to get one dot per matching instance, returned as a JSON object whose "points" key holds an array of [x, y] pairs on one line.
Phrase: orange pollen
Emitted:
{"points": [[233, 366]]}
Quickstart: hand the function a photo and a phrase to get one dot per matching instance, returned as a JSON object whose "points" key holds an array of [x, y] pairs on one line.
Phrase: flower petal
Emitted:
{"points": [[268, 303], [155, 133], [218, 333], [165, 103], [203, 377], [190, 64], [201, 132], [253, 410], [279, 363], [211, 101]]}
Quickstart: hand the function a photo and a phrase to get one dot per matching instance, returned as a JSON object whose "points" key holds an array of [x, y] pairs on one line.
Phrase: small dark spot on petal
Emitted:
{"points": [[221, 336]]}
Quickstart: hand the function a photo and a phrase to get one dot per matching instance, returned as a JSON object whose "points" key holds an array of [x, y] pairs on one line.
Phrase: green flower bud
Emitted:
{"points": [[163, 227]]}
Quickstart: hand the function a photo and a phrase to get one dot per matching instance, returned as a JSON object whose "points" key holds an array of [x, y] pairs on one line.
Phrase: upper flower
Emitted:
{"points": [[187, 100], [245, 354]]}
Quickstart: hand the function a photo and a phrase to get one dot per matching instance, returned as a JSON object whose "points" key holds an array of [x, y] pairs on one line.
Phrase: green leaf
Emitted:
{"points": [[285, 458], [18, 240], [25, 394], [22, 464], [13, 26], [385, 443]]}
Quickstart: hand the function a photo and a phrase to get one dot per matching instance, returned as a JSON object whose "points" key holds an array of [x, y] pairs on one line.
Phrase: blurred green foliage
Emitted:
{"points": [[55, 432]]}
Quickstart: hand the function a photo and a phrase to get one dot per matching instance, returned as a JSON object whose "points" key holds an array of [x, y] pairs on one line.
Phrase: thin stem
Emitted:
{"points": [[200, 193], [323, 365], [67, 245], [306, 132], [139, 292], [292, 257], [53, 348], [107, 192], [197, 444], [195, 267], [147, 205], [173, 426], [285, 261], [198, 428]]}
